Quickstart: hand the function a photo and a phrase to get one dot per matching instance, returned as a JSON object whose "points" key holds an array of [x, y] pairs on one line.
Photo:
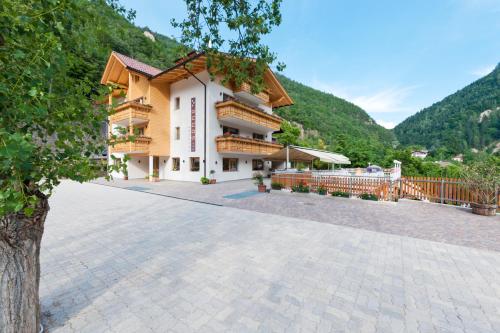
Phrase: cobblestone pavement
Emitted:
{"points": [[124, 261], [441, 223]]}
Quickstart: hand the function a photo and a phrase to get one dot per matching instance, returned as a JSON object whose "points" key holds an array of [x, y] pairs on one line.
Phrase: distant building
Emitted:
{"points": [[458, 158], [420, 153]]}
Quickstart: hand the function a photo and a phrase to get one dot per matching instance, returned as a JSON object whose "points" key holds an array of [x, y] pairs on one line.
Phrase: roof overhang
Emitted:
{"points": [[302, 154], [115, 72]]}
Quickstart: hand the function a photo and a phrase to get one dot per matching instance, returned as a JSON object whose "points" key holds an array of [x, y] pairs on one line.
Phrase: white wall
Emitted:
{"points": [[186, 89]]}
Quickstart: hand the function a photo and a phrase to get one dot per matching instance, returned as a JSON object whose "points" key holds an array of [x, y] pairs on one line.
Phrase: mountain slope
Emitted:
{"points": [[469, 118], [330, 116]]}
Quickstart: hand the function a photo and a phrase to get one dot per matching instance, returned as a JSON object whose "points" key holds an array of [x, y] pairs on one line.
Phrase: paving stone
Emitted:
{"points": [[134, 262]]}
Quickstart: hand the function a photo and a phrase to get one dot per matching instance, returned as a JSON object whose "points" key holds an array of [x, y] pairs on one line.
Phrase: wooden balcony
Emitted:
{"points": [[245, 90], [236, 113], [140, 145], [130, 112], [239, 145]]}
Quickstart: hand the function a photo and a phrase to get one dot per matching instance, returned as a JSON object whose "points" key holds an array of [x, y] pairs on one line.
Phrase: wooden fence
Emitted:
{"points": [[440, 190]]}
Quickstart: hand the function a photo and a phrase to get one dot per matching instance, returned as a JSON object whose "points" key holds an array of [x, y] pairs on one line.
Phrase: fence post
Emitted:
{"points": [[400, 187], [390, 189], [441, 191], [350, 186]]}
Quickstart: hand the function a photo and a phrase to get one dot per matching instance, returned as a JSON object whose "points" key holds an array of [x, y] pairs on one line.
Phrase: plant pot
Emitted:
{"points": [[154, 179], [484, 209], [125, 177], [262, 188], [213, 181]]}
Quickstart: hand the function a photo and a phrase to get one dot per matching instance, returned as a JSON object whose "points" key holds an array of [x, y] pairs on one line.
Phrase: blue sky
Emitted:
{"points": [[390, 57]]}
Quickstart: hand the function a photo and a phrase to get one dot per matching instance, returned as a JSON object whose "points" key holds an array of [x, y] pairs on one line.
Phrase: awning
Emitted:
{"points": [[302, 154]]}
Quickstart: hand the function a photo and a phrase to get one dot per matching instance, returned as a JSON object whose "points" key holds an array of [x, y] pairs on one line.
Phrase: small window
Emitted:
{"points": [[177, 133], [195, 163], [117, 162], [137, 78], [139, 131], [229, 164], [176, 164], [257, 165], [230, 130], [258, 136], [177, 103]]}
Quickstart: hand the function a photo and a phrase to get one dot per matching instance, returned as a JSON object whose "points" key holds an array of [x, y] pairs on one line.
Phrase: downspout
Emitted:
{"points": [[204, 121]]}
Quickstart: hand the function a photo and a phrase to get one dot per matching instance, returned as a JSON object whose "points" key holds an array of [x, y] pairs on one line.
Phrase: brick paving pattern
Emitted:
{"points": [[124, 261], [441, 223]]}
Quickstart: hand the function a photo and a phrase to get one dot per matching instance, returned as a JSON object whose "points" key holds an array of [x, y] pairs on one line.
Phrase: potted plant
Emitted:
{"points": [[204, 180], [322, 190], [212, 179], [154, 177], [481, 178], [259, 181], [125, 174]]}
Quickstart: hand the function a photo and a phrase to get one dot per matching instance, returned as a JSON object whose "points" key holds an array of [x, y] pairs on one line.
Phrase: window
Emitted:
{"points": [[257, 165], [195, 163], [177, 133], [230, 130], [137, 78], [258, 136], [139, 131], [229, 164], [176, 164], [177, 103], [117, 162]]}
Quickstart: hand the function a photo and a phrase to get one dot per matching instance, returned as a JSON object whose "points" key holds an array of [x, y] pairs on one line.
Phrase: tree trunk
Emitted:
{"points": [[20, 238]]}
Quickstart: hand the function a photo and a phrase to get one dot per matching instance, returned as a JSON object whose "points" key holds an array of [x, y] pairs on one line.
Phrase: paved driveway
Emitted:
{"points": [[442, 223], [124, 261]]}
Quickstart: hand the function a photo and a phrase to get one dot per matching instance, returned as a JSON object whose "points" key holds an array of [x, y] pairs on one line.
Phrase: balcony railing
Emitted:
{"points": [[240, 145], [131, 111], [245, 88], [139, 145], [233, 110]]}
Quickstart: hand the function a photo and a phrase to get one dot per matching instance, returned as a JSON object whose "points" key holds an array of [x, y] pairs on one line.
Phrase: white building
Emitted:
{"points": [[180, 118], [420, 153]]}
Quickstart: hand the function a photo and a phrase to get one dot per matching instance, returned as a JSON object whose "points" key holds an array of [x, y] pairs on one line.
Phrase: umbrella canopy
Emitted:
{"points": [[302, 154]]}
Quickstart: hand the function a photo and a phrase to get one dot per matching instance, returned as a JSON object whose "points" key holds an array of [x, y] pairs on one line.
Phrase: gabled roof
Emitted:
{"points": [[117, 62], [197, 63], [138, 66]]}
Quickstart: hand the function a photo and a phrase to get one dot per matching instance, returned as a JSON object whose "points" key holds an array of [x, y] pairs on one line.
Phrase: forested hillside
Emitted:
{"points": [[469, 118]]}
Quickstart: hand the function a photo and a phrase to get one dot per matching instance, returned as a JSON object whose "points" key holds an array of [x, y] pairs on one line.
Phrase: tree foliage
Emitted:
{"points": [[230, 34]]}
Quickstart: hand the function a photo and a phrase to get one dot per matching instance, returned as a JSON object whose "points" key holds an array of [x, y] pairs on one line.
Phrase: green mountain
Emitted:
{"points": [[328, 121], [469, 118]]}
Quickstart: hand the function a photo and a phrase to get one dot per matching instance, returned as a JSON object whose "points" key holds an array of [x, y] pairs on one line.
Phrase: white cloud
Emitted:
{"points": [[386, 124], [383, 101], [483, 71]]}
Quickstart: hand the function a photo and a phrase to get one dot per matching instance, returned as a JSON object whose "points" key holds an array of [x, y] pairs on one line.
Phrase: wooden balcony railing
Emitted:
{"points": [[131, 110], [240, 145], [246, 88], [139, 145], [236, 110]]}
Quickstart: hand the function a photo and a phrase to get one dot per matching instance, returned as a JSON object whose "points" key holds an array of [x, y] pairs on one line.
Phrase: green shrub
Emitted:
{"points": [[301, 188], [204, 180], [368, 196], [340, 194], [276, 186], [322, 190]]}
